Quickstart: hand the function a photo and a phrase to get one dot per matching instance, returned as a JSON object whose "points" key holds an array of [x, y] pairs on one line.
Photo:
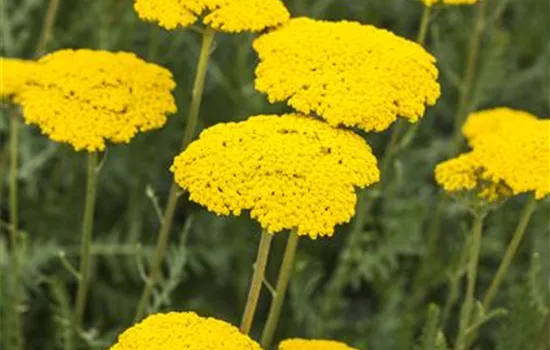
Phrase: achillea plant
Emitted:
{"points": [[313, 344], [14, 76], [347, 73], [183, 330], [230, 16], [430, 3]]}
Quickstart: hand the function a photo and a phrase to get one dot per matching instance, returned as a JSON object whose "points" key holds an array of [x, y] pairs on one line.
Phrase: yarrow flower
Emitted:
{"points": [[14, 75], [315, 344], [225, 15], [183, 330], [448, 2], [510, 155], [86, 98], [479, 124], [347, 73], [290, 171]]}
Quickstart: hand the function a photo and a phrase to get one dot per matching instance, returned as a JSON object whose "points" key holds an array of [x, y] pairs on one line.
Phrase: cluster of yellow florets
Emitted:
{"points": [[87, 97], [14, 76], [315, 344], [449, 2], [183, 330], [510, 155], [225, 15], [290, 171], [347, 73]]}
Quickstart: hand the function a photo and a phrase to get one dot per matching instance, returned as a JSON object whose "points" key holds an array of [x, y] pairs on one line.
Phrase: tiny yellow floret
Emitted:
{"points": [[347, 73], [430, 3], [485, 122], [14, 76], [86, 98], [290, 171], [183, 330], [313, 344], [231, 16]]}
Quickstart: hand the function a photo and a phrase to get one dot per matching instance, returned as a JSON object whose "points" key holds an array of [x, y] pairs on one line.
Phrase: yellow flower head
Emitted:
{"points": [[430, 3], [481, 123], [465, 173], [14, 75], [183, 330], [290, 171], [231, 16], [86, 97], [347, 73], [518, 155], [316, 344]]}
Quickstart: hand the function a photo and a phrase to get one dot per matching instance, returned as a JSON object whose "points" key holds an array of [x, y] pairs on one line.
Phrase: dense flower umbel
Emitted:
{"points": [[449, 2], [347, 73], [315, 344], [481, 123], [183, 330], [225, 15], [14, 75], [465, 173], [290, 171], [518, 155], [87, 97]]}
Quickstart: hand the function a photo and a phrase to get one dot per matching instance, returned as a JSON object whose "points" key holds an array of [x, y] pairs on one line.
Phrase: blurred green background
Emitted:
{"points": [[209, 266]]}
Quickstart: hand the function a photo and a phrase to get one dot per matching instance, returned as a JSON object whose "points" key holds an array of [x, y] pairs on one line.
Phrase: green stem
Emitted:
{"points": [[280, 290], [469, 75], [510, 251], [257, 281], [86, 244], [168, 218], [47, 28], [424, 24], [14, 229], [468, 304]]}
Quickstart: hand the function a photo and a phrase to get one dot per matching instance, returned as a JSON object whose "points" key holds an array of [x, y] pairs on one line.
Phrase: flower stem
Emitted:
{"points": [[257, 281], [469, 75], [47, 28], [14, 229], [86, 244], [168, 218], [424, 24], [468, 304], [510, 251], [280, 290]]}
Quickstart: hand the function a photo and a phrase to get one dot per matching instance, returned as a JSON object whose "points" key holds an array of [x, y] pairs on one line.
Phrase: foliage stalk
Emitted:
{"points": [[468, 304], [280, 290], [169, 211], [510, 252], [47, 29], [424, 24], [257, 282], [86, 244]]}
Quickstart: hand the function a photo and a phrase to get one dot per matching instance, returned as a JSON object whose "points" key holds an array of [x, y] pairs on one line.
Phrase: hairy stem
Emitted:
{"points": [[86, 243], [510, 252], [468, 304], [280, 290], [169, 211], [256, 283]]}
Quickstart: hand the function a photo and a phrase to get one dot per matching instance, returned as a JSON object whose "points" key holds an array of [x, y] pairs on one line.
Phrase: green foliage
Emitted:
{"points": [[384, 294]]}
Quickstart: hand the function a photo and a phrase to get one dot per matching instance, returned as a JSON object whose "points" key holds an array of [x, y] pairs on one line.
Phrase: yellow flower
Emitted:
{"points": [[465, 173], [85, 97], [14, 75], [183, 330], [481, 123], [225, 15], [347, 73], [449, 2], [518, 155], [316, 344], [290, 171]]}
